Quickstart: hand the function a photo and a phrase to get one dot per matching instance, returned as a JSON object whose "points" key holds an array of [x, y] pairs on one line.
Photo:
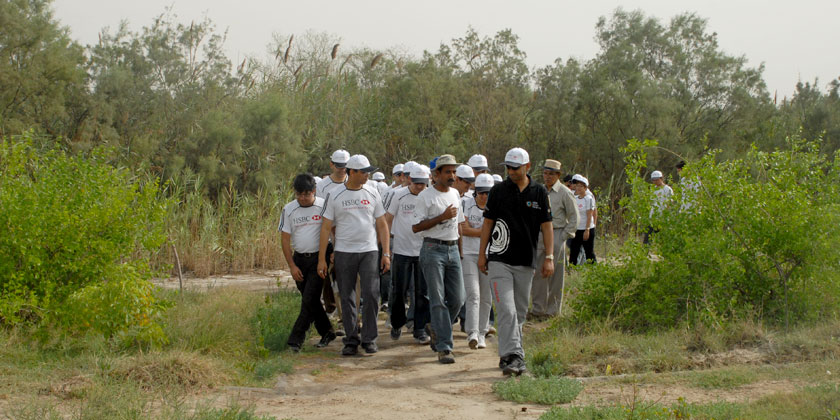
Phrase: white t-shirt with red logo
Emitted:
{"points": [[584, 204], [430, 204], [354, 214], [401, 206], [473, 215], [326, 186], [303, 224]]}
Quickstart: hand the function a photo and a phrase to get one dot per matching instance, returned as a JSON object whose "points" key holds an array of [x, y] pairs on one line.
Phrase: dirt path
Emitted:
{"points": [[405, 380]]}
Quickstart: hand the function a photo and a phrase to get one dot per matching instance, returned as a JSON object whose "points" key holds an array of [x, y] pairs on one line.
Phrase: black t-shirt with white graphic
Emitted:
{"points": [[518, 216]]}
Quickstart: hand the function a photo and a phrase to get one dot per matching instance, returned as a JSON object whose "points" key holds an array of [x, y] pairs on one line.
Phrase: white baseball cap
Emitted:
{"points": [[478, 162], [580, 178], [497, 178], [398, 168], [483, 182], [465, 172], [360, 163], [655, 175], [516, 157], [340, 157], [408, 166], [378, 176], [420, 174]]}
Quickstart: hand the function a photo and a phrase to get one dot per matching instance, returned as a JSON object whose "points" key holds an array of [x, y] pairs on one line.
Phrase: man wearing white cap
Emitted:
{"points": [[497, 179], [338, 174], [476, 285], [663, 192], [400, 216], [478, 163], [356, 211], [438, 213], [516, 212], [464, 178], [547, 292], [396, 175], [585, 234]]}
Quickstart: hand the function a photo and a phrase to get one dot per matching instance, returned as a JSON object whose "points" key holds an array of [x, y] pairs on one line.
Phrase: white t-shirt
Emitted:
{"points": [[662, 195], [381, 187], [402, 205], [303, 224], [584, 204], [327, 185], [430, 204], [474, 216], [354, 214]]}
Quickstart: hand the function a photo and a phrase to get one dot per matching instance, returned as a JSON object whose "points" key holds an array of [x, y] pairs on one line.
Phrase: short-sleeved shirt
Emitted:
{"points": [[584, 204], [303, 224], [662, 195], [354, 214], [327, 185], [401, 206], [518, 216], [474, 216], [430, 204]]}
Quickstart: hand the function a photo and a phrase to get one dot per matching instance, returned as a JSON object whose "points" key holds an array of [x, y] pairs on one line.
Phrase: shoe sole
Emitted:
{"points": [[473, 344], [511, 371]]}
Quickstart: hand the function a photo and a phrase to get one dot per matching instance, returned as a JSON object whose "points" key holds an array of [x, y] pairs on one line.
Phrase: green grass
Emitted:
{"points": [[816, 402], [538, 390]]}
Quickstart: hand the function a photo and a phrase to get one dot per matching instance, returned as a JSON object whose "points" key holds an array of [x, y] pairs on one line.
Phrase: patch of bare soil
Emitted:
{"points": [[603, 393], [265, 281]]}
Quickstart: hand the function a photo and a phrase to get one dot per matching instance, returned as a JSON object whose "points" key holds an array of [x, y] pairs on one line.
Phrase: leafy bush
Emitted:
{"points": [[275, 319], [751, 237], [75, 239], [556, 390]]}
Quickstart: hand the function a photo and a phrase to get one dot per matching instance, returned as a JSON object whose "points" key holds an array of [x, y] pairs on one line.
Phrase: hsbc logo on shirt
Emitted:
{"points": [[365, 202], [316, 217], [355, 202], [297, 221]]}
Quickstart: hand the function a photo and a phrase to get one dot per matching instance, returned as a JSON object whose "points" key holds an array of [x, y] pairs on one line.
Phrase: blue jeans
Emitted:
{"points": [[441, 265]]}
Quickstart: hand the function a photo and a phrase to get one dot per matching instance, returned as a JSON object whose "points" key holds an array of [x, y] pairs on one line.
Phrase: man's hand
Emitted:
{"points": [[385, 264], [586, 235], [548, 268], [482, 263], [449, 213], [322, 268], [296, 273]]}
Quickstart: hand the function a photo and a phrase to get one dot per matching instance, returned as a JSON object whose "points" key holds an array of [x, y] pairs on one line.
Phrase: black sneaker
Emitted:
{"points": [[504, 361], [326, 339], [433, 338], [396, 333], [423, 338], [349, 350], [516, 366], [370, 348], [294, 348], [445, 357]]}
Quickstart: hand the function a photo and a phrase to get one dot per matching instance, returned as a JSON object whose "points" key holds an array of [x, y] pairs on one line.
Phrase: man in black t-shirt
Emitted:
{"points": [[516, 212]]}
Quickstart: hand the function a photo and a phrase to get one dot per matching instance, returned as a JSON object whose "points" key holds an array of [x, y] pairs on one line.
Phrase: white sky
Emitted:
{"points": [[796, 40]]}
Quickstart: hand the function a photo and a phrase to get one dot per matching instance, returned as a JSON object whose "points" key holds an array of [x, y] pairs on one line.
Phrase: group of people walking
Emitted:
{"points": [[442, 242]]}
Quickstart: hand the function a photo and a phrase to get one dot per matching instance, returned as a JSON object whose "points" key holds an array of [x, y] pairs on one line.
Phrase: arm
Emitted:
{"points": [[326, 229], [572, 216], [486, 229], [548, 243], [468, 230], [427, 224], [389, 220], [385, 240], [590, 216], [286, 243]]}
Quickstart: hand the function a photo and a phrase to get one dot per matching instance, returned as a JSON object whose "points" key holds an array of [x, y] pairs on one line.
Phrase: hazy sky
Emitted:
{"points": [[796, 40]]}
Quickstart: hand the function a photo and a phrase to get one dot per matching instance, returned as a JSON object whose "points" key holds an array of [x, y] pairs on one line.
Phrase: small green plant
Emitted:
{"points": [[275, 319], [555, 390]]}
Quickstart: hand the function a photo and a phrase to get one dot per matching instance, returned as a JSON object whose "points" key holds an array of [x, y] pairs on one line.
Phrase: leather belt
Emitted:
{"points": [[440, 241]]}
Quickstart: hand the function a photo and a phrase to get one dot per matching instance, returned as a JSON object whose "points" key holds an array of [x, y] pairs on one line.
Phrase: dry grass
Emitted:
{"points": [[186, 371]]}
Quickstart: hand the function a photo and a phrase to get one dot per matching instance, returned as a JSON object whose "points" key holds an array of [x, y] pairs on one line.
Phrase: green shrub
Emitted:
{"points": [[751, 237], [556, 390], [275, 319], [75, 239]]}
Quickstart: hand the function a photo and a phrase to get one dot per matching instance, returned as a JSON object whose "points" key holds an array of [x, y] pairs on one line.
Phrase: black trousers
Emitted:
{"points": [[405, 269], [588, 246], [311, 310]]}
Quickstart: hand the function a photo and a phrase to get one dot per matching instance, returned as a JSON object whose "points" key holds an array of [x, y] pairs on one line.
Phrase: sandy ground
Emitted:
{"points": [[405, 381]]}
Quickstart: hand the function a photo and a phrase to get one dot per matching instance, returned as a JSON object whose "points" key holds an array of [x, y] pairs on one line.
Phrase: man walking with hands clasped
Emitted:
{"points": [[517, 211]]}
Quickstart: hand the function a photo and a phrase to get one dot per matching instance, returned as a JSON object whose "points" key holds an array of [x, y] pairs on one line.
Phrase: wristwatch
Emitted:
{"points": [[385, 254], [549, 256]]}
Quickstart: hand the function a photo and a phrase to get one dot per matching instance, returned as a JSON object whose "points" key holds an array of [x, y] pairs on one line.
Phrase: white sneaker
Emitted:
{"points": [[481, 344], [473, 340]]}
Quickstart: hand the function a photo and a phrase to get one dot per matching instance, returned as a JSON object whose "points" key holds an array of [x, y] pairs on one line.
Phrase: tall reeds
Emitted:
{"points": [[235, 232]]}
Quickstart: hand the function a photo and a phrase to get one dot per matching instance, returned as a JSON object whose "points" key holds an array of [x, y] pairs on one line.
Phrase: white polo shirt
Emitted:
{"points": [[327, 185], [402, 206], [354, 214], [430, 204], [474, 216], [303, 224]]}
